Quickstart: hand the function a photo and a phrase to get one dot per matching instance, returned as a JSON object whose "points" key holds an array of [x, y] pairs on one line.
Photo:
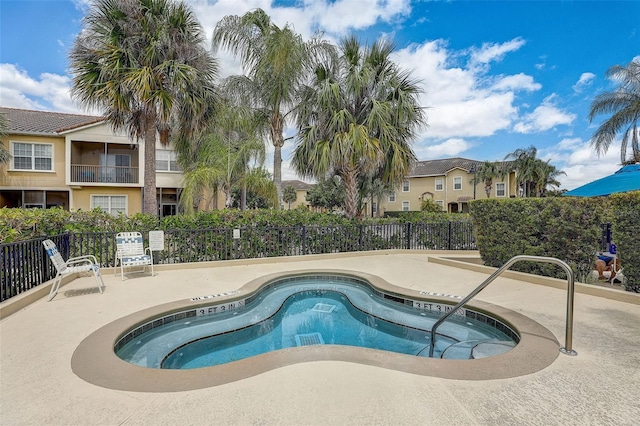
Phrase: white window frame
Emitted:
{"points": [[440, 183], [392, 197], [171, 158], [440, 203], [457, 183], [406, 206], [504, 189], [110, 209], [32, 156], [406, 186]]}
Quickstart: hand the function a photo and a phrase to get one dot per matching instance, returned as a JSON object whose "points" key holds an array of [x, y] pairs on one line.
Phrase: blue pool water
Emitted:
{"points": [[307, 311]]}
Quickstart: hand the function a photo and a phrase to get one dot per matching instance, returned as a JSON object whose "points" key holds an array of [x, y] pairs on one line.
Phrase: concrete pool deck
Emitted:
{"points": [[599, 386]]}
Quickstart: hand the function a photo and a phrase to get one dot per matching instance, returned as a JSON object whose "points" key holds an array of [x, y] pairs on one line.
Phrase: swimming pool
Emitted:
{"points": [[95, 359], [311, 310]]}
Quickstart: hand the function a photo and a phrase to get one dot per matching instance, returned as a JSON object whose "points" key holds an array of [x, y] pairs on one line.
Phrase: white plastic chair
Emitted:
{"points": [[131, 252], [71, 266]]}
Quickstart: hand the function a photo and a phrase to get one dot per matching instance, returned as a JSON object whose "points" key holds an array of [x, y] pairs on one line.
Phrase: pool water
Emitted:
{"points": [[306, 313]]}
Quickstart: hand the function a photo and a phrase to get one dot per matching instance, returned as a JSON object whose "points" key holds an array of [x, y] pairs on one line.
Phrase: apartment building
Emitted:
{"points": [[301, 193], [77, 162], [449, 183]]}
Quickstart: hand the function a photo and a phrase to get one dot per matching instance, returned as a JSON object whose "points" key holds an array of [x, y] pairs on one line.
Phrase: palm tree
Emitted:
{"points": [[373, 189], [289, 195], [533, 174], [259, 182], [624, 105], [276, 62], [487, 172], [223, 157], [546, 175], [358, 118], [524, 162], [143, 63]]}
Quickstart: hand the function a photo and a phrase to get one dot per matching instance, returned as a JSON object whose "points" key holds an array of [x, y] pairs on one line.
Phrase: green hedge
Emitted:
{"points": [[566, 228], [626, 231], [24, 224]]}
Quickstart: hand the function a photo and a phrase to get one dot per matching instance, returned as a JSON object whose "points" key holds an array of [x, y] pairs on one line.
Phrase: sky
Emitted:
{"points": [[497, 75]]}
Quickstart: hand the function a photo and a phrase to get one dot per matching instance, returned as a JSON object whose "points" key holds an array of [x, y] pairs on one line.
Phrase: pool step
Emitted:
{"points": [[476, 349]]}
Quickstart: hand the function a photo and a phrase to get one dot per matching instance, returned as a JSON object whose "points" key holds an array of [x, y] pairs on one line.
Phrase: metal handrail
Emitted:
{"points": [[567, 350]]}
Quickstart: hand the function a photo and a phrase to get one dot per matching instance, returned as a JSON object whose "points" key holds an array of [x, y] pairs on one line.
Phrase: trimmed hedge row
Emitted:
{"points": [[626, 228], [566, 228], [25, 224]]}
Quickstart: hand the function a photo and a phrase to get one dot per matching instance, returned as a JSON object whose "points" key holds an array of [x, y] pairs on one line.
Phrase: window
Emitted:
{"points": [[500, 189], [440, 203], [113, 204], [439, 184], [167, 161], [457, 183], [405, 186], [34, 199], [405, 206], [32, 156], [374, 208], [392, 197]]}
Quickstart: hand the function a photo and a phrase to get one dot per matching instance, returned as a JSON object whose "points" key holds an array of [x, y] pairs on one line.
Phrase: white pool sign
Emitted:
{"points": [[156, 240]]}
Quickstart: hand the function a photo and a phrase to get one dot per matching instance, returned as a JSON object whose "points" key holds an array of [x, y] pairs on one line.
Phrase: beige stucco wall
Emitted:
{"points": [[81, 197], [50, 180], [425, 188]]}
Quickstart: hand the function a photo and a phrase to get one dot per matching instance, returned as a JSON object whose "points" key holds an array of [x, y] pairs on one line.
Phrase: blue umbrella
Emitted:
{"points": [[624, 180]]}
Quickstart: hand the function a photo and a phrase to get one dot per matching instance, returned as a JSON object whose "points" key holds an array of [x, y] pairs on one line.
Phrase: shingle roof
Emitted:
{"points": [[297, 184], [44, 123], [443, 166]]}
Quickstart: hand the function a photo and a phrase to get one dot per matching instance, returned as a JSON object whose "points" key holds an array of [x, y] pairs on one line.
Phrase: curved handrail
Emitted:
{"points": [[570, 295]]}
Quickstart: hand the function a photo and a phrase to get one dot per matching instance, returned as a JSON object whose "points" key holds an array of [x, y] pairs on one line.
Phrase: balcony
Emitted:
{"points": [[105, 163], [81, 173]]}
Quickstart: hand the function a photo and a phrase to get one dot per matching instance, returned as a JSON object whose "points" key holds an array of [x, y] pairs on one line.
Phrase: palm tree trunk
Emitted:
{"points": [[277, 127], [149, 202], [350, 178], [277, 171], [243, 197]]}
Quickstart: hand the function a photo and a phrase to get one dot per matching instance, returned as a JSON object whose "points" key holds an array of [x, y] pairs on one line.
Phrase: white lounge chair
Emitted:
{"points": [[131, 252], [71, 266]]}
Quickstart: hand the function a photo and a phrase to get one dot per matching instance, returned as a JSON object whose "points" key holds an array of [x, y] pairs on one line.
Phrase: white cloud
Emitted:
{"points": [[585, 80], [338, 17], [490, 52], [449, 148], [462, 102], [544, 117], [20, 90], [517, 82], [334, 18], [580, 162]]}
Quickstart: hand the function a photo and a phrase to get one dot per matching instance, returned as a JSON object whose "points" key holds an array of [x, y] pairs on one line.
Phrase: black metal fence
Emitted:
{"points": [[25, 265]]}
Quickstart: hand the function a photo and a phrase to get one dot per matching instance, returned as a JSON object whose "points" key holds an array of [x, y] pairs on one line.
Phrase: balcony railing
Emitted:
{"points": [[103, 174]]}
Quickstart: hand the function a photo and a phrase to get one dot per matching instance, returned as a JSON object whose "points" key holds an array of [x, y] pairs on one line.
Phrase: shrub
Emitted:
{"points": [[561, 227], [626, 229]]}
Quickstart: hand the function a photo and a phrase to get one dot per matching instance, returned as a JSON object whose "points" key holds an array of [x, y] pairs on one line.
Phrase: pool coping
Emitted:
{"points": [[94, 359]]}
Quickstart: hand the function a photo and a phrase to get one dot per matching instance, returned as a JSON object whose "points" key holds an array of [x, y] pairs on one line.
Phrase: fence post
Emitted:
{"points": [[360, 237], [408, 235], [304, 240], [450, 233], [44, 258]]}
